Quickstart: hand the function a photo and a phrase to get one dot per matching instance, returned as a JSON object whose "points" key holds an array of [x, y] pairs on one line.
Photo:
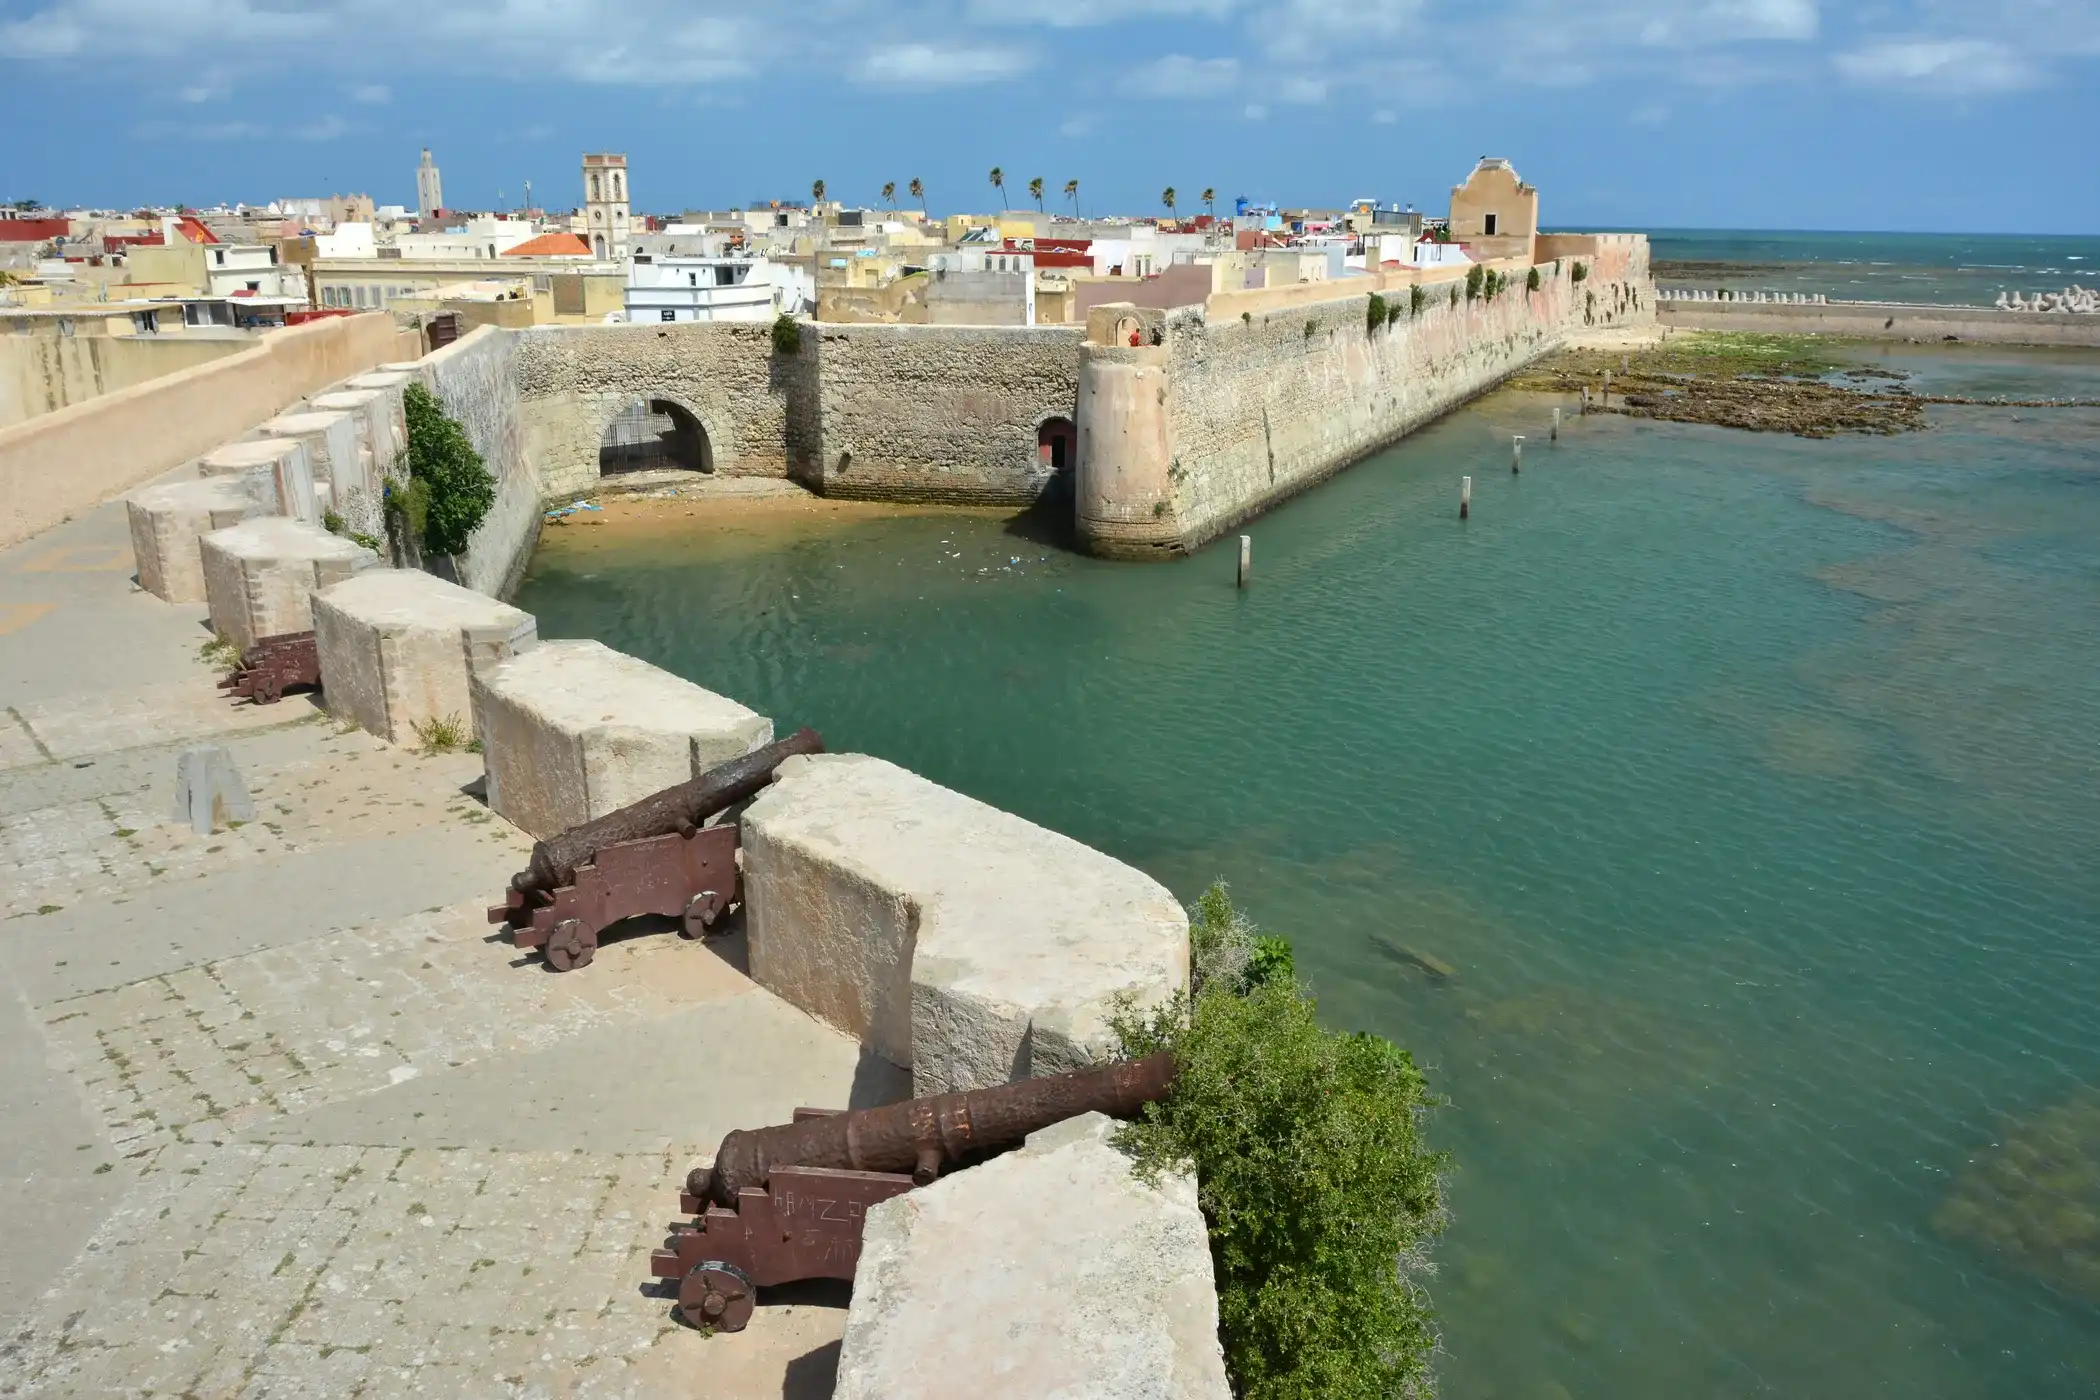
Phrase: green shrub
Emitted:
{"points": [[1454, 296], [787, 334], [1476, 277], [1310, 327], [1320, 1197], [1531, 280], [1394, 310], [441, 733], [1415, 298], [1581, 273], [457, 488], [1374, 314]]}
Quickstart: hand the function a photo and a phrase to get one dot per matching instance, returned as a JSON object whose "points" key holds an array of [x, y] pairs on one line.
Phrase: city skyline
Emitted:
{"points": [[1726, 113]]}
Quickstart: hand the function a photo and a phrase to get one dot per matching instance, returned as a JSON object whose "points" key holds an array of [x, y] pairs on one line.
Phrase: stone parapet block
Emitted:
{"points": [[398, 648], [959, 941], [274, 471], [572, 730], [260, 575], [340, 462], [1048, 1272], [166, 523], [382, 424]]}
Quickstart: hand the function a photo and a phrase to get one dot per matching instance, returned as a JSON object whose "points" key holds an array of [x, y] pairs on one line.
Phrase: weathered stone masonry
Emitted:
{"points": [[1223, 419]]}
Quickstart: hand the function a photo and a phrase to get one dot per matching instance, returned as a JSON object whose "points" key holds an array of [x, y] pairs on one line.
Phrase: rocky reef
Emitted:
{"points": [[2033, 1197]]}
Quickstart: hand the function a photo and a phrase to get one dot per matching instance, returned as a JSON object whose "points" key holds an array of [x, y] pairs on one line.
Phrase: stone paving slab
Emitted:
{"points": [[75, 726]]}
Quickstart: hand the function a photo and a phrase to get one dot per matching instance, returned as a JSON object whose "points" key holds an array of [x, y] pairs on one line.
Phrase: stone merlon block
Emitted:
{"points": [[330, 439], [398, 648], [274, 471], [260, 575], [166, 523], [957, 940], [572, 730], [1048, 1272]]}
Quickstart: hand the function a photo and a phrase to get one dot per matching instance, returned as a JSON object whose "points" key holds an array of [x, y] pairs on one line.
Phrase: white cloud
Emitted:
{"points": [[1079, 14], [326, 129], [931, 65], [1178, 75], [1939, 65], [1256, 112], [374, 94], [1302, 90], [1726, 22]]}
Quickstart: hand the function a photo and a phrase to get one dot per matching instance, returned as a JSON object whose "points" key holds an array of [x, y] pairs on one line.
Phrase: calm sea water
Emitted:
{"points": [[1955, 268], [1749, 785]]}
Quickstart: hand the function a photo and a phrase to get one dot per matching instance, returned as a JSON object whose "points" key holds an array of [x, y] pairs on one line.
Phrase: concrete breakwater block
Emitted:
{"points": [[1048, 1272], [956, 940], [274, 471], [399, 646], [166, 523], [260, 575], [572, 730]]}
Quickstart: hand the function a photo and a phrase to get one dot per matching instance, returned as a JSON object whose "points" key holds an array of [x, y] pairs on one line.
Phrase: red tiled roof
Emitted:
{"points": [[550, 245]]}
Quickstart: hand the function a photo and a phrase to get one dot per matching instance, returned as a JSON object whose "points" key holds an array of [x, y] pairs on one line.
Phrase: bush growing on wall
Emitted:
{"points": [[1415, 298], [1476, 276], [1374, 314], [787, 334], [1320, 1197], [1581, 273], [449, 491], [1531, 280]]}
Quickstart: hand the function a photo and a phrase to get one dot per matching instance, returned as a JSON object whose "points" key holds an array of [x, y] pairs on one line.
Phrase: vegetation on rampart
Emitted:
{"points": [[1320, 1197], [449, 491], [787, 335]]}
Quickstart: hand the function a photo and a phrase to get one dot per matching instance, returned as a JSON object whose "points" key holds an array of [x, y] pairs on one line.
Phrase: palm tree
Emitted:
{"points": [[999, 183], [816, 192], [1210, 200], [889, 193], [918, 192], [1072, 193], [1166, 197], [1035, 192]]}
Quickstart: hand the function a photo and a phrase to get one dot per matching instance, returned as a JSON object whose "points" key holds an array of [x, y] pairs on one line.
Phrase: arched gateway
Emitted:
{"points": [[654, 435]]}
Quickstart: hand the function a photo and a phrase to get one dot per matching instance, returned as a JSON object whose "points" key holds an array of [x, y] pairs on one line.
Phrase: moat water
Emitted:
{"points": [[1749, 786]]}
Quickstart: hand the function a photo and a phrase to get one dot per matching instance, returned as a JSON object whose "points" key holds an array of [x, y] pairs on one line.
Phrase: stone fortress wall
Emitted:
{"points": [[1223, 418]]}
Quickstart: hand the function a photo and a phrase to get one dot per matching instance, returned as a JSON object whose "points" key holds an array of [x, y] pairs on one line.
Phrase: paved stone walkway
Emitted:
{"points": [[282, 1118]]}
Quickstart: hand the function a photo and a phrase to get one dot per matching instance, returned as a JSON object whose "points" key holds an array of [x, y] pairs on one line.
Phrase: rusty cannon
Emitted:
{"points": [[655, 856], [787, 1203], [274, 665]]}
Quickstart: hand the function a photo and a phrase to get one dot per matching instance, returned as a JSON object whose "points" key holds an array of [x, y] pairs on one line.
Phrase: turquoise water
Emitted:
{"points": [[1749, 784], [1964, 269]]}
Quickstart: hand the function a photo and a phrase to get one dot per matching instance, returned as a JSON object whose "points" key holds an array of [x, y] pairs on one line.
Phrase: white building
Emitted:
{"points": [[605, 204], [716, 289]]}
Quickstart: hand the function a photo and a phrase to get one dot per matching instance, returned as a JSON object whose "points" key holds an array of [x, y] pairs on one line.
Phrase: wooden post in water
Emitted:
{"points": [[1516, 454], [1465, 497], [1625, 363], [1556, 426], [1246, 557], [1585, 398], [1607, 389]]}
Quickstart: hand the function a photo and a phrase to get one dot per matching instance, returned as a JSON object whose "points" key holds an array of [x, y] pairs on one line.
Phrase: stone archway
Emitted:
{"points": [[655, 434], [1057, 445]]}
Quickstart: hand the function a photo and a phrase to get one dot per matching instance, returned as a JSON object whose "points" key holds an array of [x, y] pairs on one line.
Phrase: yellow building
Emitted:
{"points": [[1494, 213]]}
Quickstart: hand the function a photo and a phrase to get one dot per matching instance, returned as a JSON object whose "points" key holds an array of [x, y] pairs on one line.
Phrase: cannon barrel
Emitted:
{"points": [[688, 804], [922, 1135]]}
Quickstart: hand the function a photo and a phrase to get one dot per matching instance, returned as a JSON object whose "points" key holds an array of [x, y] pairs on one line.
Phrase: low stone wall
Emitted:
{"points": [[60, 463], [1181, 440], [940, 413], [43, 371], [1880, 320]]}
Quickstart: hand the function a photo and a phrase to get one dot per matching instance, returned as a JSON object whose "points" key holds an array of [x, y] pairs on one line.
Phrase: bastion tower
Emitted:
{"points": [[605, 204], [430, 194]]}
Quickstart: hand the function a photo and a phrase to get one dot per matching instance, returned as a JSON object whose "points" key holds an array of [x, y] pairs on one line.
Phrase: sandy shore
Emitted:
{"points": [[731, 507]]}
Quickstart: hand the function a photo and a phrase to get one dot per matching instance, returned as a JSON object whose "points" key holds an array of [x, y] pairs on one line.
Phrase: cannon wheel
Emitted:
{"points": [[717, 1295], [571, 946], [700, 913]]}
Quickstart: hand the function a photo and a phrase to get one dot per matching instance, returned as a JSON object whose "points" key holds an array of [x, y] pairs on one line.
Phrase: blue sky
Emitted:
{"points": [[1910, 114]]}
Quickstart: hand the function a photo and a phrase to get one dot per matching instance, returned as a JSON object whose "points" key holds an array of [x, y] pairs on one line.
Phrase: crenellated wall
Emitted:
{"points": [[1223, 418]]}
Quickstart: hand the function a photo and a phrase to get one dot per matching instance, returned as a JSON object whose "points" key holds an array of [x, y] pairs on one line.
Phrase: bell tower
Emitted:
{"points": [[605, 204]]}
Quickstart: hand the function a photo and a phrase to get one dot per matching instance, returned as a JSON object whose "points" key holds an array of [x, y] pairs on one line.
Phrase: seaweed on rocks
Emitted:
{"points": [[2033, 1197]]}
